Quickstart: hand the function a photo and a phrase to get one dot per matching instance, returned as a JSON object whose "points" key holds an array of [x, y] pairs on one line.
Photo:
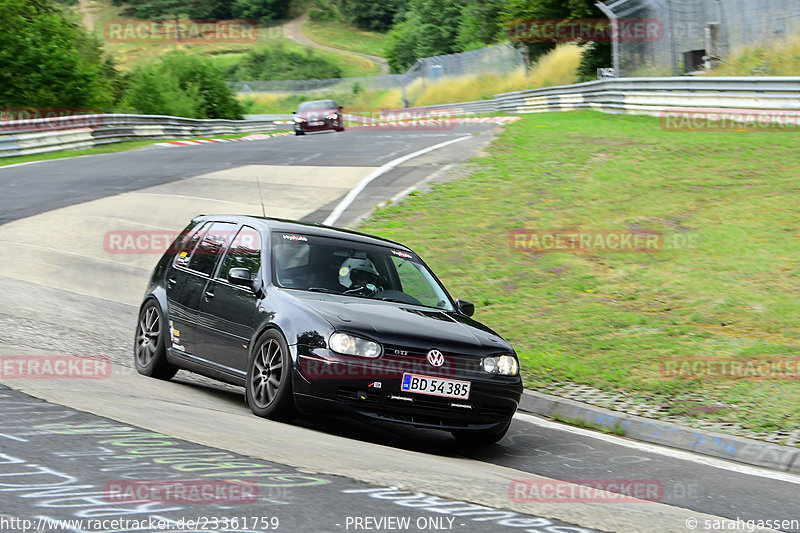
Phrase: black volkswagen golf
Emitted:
{"points": [[311, 318]]}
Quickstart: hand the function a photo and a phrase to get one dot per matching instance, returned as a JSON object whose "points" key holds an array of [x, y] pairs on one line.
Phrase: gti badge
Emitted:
{"points": [[435, 358]]}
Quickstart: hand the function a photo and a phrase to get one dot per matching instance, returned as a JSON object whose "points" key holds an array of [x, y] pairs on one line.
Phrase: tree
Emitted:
{"points": [[430, 28], [399, 47], [47, 60], [370, 14], [595, 55], [260, 9], [182, 85], [276, 62], [211, 9]]}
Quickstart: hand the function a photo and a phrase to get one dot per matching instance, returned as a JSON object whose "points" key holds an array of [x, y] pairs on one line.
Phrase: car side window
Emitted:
{"points": [[245, 252], [185, 253], [211, 245]]}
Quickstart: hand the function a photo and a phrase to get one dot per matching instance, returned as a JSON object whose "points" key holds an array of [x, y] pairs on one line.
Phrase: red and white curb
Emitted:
{"points": [[254, 137], [438, 122]]}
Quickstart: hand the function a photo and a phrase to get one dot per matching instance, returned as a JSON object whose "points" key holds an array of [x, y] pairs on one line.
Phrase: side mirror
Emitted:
{"points": [[340, 108], [465, 307], [241, 277]]}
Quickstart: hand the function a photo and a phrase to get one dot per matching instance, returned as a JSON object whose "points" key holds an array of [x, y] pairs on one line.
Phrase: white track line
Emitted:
{"points": [[353, 194], [662, 450]]}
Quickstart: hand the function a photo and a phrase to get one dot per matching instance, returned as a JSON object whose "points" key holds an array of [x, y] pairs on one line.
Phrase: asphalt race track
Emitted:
{"points": [[69, 289]]}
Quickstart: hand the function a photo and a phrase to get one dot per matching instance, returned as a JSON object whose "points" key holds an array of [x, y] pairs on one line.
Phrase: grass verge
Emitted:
{"points": [[345, 37], [613, 320], [779, 59], [616, 430]]}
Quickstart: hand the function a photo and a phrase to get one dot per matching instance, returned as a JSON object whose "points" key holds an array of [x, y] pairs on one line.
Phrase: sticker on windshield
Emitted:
{"points": [[295, 238], [404, 255], [344, 271]]}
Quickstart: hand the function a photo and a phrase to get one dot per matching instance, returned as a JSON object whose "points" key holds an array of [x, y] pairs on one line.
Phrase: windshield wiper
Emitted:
{"points": [[321, 289]]}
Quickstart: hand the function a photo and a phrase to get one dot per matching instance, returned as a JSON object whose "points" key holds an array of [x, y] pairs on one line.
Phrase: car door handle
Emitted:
{"points": [[209, 295], [171, 282]]}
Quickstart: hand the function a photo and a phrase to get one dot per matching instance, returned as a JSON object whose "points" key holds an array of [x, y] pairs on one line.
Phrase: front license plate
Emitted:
{"points": [[448, 388], [318, 123]]}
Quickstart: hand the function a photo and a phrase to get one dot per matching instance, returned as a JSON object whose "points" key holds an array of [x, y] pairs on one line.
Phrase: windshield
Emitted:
{"points": [[319, 104], [337, 266]]}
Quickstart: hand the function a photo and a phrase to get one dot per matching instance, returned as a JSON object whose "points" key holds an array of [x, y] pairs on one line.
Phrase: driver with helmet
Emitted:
{"points": [[359, 275]]}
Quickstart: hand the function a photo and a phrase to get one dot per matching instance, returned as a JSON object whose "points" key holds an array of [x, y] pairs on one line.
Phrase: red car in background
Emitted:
{"points": [[318, 115]]}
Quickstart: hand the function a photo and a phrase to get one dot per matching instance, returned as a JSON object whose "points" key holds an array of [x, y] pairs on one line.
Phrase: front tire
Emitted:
{"points": [[481, 437], [150, 348], [299, 132], [268, 389]]}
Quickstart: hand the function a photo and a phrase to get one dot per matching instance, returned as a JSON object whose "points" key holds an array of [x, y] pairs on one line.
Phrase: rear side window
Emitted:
{"points": [[185, 253], [245, 252], [210, 247]]}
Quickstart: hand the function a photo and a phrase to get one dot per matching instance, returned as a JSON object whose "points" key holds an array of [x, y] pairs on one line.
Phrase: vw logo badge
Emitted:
{"points": [[436, 358]]}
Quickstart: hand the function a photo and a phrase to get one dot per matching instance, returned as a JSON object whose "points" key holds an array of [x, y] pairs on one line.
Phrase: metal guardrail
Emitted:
{"points": [[79, 132], [645, 96], [453, 110], [652, 96]]}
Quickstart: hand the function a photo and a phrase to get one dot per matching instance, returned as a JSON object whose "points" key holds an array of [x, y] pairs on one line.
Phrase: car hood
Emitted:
{"points": [[401, 325]]}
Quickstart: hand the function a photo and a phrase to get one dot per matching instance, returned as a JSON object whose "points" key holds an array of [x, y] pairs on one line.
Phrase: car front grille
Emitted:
{"points": [[401, 405]]}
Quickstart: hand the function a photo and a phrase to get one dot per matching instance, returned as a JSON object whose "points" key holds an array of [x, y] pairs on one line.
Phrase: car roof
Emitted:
{"points": [[305, 228], [326, 102]]}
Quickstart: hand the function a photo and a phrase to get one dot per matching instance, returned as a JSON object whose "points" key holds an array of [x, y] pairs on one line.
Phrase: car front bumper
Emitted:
{"points": [[354, 387]]}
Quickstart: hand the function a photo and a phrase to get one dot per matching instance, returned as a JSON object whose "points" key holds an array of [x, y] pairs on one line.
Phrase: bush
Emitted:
{"points": [[182, 85], [276, 62]]}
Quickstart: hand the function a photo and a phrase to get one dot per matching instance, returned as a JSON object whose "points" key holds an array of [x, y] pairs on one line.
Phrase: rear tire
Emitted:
{"points": [[268, 390], [481, 437], [299, 132], [150, 347]]}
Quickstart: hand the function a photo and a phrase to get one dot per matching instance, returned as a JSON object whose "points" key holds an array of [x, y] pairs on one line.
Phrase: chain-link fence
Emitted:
{"points": [[499, 59], [692, 33]]}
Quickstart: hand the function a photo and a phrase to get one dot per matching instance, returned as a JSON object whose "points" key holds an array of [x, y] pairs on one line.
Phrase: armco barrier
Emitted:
{"points": [[643, 96], [35, 136], [651, 96]]}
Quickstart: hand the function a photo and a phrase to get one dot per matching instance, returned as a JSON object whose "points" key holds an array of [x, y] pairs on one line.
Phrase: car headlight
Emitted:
{"points": [[504, 365], [299, 119], [352, 345], [332, 116]]}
